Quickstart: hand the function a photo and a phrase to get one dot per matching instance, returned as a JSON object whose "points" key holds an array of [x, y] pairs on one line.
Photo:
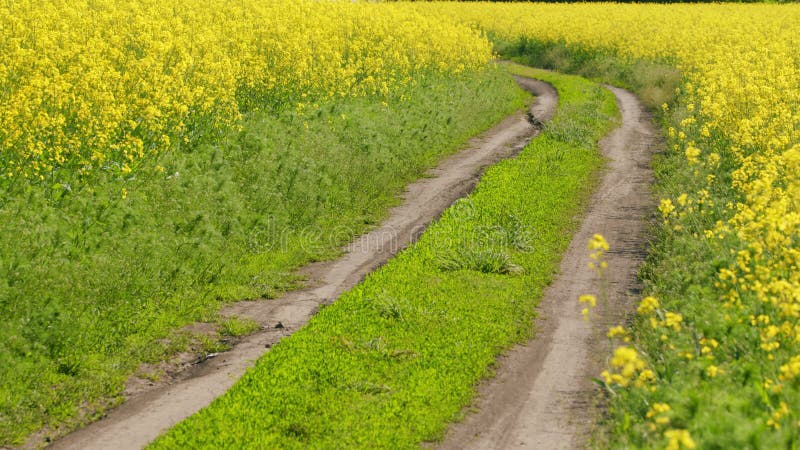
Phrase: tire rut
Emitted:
{"points": [[542, 396]]}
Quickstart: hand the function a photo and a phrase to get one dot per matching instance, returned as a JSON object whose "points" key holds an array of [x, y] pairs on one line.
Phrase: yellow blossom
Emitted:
{"points": [[588, 298], [679, 439], [617, 331], [647, 306], [598, 242]]}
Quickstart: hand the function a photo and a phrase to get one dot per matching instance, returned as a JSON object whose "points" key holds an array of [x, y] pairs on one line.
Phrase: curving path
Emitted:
{"points": [[542, 396], [153, 409]]}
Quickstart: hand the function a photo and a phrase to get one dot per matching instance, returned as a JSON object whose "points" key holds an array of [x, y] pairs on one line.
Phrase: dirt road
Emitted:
{"points": [[152, 410], [542, 396]]}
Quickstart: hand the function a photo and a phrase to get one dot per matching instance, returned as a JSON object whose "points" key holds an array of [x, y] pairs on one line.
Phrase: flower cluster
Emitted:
{"points": [[627, 368]]}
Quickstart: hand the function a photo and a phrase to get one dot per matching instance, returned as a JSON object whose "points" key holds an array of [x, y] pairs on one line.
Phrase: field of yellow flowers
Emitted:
{"points": [[119, 147], [720, 328], [94, 85]]}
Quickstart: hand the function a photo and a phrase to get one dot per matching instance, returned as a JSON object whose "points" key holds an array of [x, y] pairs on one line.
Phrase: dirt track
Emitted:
{"points": [[152, 410], [542, 396]]}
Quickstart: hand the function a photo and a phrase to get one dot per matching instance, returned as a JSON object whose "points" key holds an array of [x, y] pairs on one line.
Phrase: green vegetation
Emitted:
{"points": [[96, 274], [653, 82], [392, 361]]}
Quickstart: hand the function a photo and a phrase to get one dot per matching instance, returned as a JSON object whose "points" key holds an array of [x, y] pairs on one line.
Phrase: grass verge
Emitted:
{"points": [[392, 361], [97, 274]]}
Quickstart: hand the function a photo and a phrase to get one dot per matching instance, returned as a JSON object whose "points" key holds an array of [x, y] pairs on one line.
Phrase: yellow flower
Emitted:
{"points": [[692, 153], [678, 439], [617, 331], [598, 242], [790, 370], [673, 320], [658, 408], [666, 207], [628, 367], [647, 306], [645, 377], [588, 298]]}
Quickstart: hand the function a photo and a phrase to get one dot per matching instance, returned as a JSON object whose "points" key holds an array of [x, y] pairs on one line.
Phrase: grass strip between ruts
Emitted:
{"points": [[396, 358]]}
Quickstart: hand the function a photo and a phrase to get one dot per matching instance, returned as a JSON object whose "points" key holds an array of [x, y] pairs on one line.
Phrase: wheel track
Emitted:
{"points": [[153, 410], [542, 396]]}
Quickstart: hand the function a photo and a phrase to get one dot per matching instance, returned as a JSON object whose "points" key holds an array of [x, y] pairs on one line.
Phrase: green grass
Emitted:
{"points": [[93, 284], [393, 360]]}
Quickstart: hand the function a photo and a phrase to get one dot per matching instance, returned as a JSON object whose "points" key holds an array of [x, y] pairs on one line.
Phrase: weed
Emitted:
{"points": [[481, 260], [235, 326]]}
